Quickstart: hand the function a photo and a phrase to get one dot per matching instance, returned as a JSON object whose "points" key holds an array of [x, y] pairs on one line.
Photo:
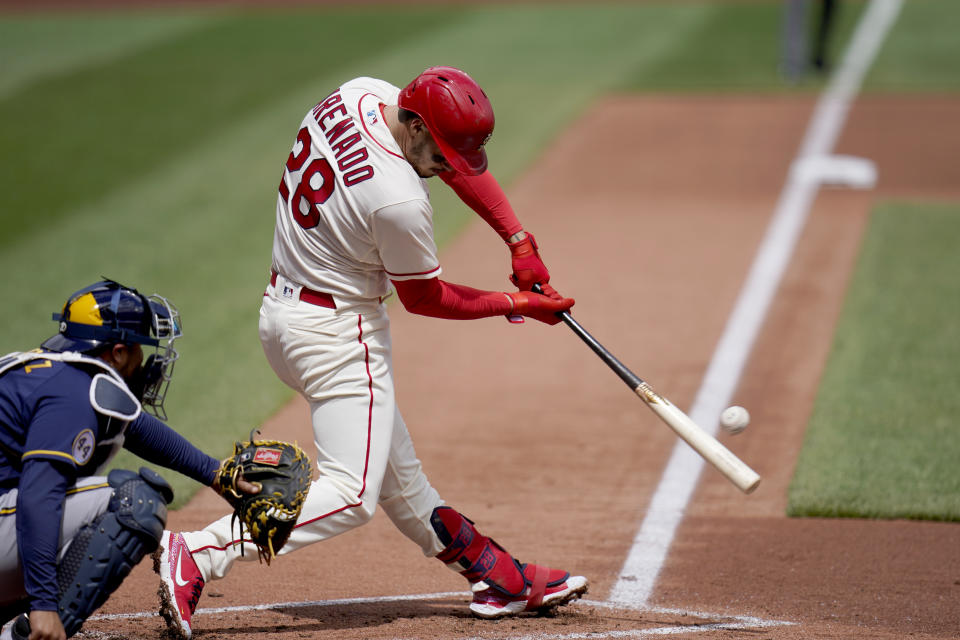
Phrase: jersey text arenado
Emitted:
{"points": [[325, 113]]}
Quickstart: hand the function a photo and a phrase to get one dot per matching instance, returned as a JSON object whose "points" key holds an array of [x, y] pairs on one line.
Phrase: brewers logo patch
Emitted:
{"points": [[83, 446]]}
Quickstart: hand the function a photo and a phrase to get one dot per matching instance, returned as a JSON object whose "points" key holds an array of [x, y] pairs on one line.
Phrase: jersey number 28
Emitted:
{"points": [[306, 194]]}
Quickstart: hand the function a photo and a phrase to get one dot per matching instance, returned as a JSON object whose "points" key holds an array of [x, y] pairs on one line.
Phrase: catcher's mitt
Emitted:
{"points": [[282, 470]]}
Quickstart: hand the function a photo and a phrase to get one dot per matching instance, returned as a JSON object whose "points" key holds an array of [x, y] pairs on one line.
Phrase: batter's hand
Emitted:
{"points": [[539, 307], [46, 625], [528, 267]]}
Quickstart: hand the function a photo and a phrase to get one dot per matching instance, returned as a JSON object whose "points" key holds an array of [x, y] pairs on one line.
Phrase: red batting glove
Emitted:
{"points": [[539, 307], [528, 268]]}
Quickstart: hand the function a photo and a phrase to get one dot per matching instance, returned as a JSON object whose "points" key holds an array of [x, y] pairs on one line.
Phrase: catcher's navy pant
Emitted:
{"points": [[84, 502], [340, 361]]}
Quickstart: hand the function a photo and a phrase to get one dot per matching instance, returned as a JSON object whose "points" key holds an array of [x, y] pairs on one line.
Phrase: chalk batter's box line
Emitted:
{"points": [[736, 623]]}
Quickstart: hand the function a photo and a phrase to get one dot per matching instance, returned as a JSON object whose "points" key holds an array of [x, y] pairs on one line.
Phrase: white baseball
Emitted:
{"points": [[734, 419]]}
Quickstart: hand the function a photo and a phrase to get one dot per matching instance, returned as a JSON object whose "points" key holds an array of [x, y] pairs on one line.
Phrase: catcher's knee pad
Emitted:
{"points": [[475, 556], [104, 551]]}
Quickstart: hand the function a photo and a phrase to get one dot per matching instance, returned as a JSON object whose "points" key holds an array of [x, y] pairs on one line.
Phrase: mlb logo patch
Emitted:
{"points": [[267, 456]]}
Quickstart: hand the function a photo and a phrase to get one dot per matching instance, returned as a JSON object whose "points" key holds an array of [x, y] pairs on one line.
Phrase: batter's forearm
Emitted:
{"points": [[438, 299], [484, 195]]}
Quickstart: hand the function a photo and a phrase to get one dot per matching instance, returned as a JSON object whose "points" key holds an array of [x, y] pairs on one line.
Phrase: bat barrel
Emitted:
{"points": [[745, 478], [709, 448]]}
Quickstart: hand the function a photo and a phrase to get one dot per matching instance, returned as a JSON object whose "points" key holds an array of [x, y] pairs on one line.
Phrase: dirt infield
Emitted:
{"points": [[649, 210]]}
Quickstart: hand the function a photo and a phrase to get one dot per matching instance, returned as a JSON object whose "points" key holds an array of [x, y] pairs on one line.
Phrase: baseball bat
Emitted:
{"points": [[735, 470]]}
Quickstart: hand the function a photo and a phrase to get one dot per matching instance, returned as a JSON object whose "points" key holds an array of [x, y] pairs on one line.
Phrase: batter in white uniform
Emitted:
{"points": [[353, 215]]}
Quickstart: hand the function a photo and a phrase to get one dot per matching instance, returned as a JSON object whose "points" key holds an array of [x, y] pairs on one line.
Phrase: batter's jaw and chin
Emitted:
{"points": [[417, 145], [423, 153]]}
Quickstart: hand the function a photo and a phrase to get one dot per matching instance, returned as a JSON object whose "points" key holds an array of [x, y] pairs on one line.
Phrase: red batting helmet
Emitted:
{"points": [[457, 113]]}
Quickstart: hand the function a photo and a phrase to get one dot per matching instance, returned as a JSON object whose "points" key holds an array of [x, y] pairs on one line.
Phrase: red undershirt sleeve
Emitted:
{"points": [[483, 194], [438, 299]]}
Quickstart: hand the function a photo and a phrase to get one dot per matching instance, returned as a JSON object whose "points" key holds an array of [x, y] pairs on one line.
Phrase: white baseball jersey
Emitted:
{"points": [[352, 212]]}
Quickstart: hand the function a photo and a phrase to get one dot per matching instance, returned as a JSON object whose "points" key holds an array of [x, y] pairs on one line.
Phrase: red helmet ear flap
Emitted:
{"points": [[457, 114]]}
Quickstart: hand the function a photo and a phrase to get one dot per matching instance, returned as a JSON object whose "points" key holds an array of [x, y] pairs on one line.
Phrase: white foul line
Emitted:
{"points": [[289, 605], [650, 546], [732, 623]]}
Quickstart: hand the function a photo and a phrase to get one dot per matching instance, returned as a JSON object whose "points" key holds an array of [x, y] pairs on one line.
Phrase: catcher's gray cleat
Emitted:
{"points": [[180, 584]]}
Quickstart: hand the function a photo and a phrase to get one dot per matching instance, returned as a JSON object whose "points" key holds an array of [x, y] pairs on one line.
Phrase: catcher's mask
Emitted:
{"points": [[107, 313], [457, 113]]}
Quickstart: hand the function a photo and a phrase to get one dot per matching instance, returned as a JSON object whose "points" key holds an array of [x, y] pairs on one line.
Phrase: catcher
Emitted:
{"points": [[69, 536]]}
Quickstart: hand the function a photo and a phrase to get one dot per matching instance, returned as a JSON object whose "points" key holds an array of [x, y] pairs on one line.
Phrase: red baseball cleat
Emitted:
{"points": [[181, 584], [545, 590]]}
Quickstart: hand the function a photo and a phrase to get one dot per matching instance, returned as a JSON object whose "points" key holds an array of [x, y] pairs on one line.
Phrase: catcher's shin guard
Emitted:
{"points": [[104, 551], [475, 556]]}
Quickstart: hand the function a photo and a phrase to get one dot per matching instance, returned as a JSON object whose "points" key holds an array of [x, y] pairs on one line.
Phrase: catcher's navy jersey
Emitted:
{"points": [[50, 435], [45, 412]]}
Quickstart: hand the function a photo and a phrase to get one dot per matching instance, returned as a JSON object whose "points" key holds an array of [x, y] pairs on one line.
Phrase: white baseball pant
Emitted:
{"points": [[340, 361]]}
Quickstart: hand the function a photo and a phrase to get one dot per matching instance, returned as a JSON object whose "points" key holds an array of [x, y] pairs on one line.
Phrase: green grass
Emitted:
{"points": [[738, 48], [146, 145], [922, 52], [158, 165], [37, 46], [882, 441], [87, 132]]}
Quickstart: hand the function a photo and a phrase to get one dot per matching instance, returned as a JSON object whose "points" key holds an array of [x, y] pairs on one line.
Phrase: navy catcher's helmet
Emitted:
{"points": [[106, 313]]}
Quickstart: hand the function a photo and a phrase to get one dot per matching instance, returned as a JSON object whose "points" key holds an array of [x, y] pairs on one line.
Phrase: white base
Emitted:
{"points": [[836, 170]]}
